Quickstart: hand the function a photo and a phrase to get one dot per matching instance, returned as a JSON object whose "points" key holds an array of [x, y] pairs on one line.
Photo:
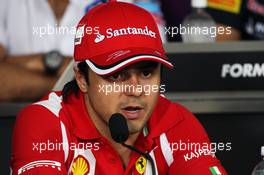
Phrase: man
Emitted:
{"points": [[117, 71]]}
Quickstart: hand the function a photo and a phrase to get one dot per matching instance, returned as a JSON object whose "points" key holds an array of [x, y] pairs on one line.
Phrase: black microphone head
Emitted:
{"points": [[118, 128]]}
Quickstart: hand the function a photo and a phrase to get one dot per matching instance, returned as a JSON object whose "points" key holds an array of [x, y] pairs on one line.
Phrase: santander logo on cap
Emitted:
{"points": [[122, 34], [99, 38], [110, 33]]}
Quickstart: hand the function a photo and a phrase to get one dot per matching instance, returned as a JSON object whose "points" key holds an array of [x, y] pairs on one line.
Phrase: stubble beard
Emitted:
{"points": [[136, 127]]}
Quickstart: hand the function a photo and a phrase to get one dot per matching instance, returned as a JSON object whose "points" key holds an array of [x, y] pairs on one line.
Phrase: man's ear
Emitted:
{"points": [[80, 79]]}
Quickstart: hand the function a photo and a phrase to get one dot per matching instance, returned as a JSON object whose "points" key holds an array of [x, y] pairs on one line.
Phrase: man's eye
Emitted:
{"points": [[146, 74], [116, 77]]}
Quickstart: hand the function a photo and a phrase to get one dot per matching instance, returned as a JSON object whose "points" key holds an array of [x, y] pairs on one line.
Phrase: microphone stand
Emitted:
{"points": [[146, 155]]}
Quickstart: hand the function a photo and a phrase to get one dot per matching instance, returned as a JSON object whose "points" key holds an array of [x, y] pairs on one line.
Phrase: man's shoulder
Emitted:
{"points": [[181, 123], [37, 129], [169, 116], [47, 109]]}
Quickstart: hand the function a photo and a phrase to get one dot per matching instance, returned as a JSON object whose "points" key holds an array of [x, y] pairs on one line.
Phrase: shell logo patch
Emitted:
{"points": [[80, 166], [141, 164]]}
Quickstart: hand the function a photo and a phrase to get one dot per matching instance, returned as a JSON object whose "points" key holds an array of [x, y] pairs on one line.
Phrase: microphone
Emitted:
{"points": [[118, 128], [119, 132]]}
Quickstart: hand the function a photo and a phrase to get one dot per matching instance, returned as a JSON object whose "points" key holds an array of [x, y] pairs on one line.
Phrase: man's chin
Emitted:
{"points": [[134, 127]]}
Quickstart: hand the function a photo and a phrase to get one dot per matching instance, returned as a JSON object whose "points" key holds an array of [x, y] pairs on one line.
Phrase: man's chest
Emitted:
{"points": [[98, 158]]}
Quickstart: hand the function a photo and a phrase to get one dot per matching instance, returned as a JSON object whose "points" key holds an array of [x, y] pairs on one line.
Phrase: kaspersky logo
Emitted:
{"points": [[110, 33]]}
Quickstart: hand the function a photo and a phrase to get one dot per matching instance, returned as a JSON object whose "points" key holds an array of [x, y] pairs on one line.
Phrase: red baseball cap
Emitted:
{"points": [[114, 35]]}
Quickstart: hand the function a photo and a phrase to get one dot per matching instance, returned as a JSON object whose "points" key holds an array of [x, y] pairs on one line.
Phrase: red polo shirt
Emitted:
{"points": [[52, 137]]}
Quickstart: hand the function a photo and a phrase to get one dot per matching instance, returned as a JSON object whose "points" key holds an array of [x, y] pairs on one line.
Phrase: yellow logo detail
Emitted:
{"points": [[231, 6], [141, 165], [80, 166]]}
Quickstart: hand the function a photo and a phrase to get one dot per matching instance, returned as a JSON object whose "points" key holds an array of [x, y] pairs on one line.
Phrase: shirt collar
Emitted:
{"points": [[83, 126], [164, 117]]}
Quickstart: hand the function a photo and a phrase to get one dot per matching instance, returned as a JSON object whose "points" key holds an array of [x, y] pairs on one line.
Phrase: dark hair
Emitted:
{"points": [[72, 86]]}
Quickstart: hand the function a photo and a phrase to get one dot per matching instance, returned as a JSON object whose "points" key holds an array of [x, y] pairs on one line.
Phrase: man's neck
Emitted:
{"points": [[124, 152]]}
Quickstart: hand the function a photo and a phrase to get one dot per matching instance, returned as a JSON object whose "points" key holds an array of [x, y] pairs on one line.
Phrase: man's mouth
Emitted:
{"points": [[132, 112], [132, 109]]}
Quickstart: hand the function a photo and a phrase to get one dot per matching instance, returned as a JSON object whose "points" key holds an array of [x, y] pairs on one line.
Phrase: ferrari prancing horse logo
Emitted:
{"points": [[141, 165]]}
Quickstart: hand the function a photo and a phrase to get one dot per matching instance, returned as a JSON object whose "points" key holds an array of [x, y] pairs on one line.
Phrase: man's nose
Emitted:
{"points": [[133, 86]]}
